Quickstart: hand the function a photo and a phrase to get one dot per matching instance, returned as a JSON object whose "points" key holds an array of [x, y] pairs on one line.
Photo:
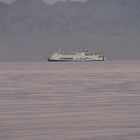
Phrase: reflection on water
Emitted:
{"points": [[70, 101]]}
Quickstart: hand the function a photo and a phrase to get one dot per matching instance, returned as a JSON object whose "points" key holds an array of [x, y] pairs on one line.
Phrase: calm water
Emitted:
{"points": [[70, 101]]}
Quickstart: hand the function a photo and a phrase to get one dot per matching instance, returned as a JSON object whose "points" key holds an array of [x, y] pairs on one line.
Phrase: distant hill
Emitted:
{"points": [[100, 16], [3, 8], [38, 28]]}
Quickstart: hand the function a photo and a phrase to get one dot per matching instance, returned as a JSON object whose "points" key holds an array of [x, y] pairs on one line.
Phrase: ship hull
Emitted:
{"points": [[53, 60]]}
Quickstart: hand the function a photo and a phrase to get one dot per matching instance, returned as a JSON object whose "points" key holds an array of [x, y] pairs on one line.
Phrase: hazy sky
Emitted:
{"points": [[49, 1]]}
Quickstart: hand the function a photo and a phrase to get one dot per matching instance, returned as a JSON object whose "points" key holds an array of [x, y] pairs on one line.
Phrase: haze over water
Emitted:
{"points": [[70, 101]]}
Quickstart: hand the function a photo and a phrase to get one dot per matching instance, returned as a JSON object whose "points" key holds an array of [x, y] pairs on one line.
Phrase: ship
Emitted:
{"points": [[83, 56]]}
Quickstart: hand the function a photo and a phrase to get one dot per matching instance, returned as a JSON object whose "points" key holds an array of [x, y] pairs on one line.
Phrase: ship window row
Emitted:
{"points": [[66, 58], [66, 53], [87, 54]]}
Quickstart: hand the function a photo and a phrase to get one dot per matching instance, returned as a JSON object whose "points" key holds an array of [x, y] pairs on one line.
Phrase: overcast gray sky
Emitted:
{"points": [[49, 1]]}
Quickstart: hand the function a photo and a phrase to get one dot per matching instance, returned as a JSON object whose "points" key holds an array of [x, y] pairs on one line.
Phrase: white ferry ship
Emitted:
{"points": [[76, 56]]}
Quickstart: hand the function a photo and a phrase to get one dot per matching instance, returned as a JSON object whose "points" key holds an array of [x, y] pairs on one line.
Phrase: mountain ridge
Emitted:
{"points": [[69, 16], [37, 25]]}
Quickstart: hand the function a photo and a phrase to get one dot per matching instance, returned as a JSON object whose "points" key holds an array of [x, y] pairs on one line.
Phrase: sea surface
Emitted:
{"points": [[70, 101]]}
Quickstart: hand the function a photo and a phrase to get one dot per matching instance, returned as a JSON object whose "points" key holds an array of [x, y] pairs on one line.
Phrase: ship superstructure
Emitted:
{"points": [[76, 56]]}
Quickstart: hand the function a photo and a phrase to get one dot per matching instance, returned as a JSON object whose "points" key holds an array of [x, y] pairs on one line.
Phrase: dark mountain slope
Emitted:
{"points": [[31, 29], [3, 8], [97, 16]]}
